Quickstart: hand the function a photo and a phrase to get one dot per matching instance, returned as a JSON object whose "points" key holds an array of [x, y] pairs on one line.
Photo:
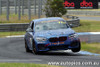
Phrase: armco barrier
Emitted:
{"points": [[23, 26], [74, 21], [13, 27]]}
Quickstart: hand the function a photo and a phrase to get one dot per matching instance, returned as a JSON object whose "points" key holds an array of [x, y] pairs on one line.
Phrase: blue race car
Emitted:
{"points": [[53, 33]]}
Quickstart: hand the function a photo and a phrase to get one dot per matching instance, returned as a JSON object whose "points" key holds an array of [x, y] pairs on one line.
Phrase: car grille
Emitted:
{"points": [[55, 39]]}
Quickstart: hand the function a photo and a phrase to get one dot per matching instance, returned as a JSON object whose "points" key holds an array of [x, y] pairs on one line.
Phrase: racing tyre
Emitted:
{"points": [[27, 48], [34, 48], [77, 49]]}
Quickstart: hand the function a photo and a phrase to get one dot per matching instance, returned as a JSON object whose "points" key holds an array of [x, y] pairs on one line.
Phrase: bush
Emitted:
{"points": [[55, 8]]}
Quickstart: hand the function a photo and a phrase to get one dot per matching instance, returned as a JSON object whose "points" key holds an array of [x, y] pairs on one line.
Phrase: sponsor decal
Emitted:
{"points": [[57, 43], [81, 4], [61, 22]]}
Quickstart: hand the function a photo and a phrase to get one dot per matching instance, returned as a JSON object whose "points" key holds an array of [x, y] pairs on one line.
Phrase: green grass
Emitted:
{"points": [[14, 19], [24, 19], [24, 65], [3, 34], [91, 47], [88, 26]]}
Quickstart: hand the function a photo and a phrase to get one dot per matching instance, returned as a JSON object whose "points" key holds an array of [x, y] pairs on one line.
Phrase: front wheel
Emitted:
{"points": [[76, 49], [27, 48], [34, 48]]}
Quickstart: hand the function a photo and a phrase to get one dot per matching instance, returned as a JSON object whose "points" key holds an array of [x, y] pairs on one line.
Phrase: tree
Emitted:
{"points": [[55, 8]]}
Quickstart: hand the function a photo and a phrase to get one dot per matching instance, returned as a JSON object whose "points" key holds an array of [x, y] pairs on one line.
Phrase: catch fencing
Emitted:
{"points": [[22, 7]]}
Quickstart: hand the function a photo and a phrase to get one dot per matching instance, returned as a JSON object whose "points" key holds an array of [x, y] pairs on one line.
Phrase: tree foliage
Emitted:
{"points": [[55, 8]]}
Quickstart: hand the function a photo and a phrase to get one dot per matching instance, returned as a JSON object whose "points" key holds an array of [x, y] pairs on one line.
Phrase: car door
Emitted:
{"points": [[30, 33]]}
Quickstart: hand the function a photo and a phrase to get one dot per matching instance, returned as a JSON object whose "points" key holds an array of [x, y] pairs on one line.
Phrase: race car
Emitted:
{"points": [[51, 33]]}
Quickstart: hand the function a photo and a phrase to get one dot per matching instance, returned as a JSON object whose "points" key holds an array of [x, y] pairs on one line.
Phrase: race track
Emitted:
{"points": [[89, 18], [12, 50]]}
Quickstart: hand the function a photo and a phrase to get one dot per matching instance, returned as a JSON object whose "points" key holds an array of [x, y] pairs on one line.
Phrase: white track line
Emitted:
{"points": [[88, 33], [15, 36], [84, 52], [18, 60]]}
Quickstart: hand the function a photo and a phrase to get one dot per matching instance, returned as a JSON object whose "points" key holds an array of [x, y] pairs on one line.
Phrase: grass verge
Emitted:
{"points": [[14, 19], [24, 65], [88, 26], [91, 47], [24, 19], [3, 34]]}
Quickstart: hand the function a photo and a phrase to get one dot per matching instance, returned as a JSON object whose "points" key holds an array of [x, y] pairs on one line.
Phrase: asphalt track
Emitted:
{"points": [[12, 50], [89, 18]]}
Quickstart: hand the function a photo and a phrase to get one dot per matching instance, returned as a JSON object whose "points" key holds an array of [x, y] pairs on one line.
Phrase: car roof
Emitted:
{"points": [[47, 19]]}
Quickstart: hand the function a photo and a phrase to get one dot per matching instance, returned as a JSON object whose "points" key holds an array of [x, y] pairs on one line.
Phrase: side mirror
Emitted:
{"points": [[29, 30], [71, 25]]}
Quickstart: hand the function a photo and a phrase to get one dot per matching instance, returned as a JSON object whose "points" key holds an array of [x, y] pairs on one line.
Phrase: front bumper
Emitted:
{"points": [[68, 44]]}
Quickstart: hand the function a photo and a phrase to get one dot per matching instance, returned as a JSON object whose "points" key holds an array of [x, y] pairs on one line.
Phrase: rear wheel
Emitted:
{"points": [[77, 49], [27, 48]]}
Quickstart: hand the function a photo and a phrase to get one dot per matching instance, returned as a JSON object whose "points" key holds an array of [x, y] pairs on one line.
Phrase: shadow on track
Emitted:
{"points": [[59, 53]]}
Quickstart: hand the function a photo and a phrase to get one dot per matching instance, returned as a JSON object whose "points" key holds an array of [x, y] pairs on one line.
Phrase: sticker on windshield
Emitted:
{"points": [[61, 22]]}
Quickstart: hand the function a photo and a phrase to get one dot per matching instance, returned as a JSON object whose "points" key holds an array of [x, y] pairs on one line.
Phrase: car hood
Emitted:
{"points": [[55, 33]]}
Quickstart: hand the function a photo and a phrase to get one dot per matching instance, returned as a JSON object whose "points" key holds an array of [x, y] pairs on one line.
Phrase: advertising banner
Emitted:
{"points": [[81, 4]]}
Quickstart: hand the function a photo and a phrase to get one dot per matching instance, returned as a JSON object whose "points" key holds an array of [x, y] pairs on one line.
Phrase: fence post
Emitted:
{"points": [[0, 7], [35, 7], [7, 10], [15, 2], [29, 9], [19, 10], [41, 7], [22, 7], [38, 8]]}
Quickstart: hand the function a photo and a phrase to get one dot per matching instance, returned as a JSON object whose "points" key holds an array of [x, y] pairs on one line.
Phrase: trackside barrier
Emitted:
{"points": [[13, 27], [23, 26], [74, 21]]}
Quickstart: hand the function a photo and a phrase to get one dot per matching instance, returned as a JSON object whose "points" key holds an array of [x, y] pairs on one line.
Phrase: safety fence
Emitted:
{"points": [[22, 7]]}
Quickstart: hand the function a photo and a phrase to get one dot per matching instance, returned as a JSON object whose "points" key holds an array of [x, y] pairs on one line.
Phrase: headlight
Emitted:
{"points": [[40, 39], [73, 35]]}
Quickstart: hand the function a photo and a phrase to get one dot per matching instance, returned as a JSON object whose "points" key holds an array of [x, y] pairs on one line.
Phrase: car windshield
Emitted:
{"points": [[50, 25]]}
